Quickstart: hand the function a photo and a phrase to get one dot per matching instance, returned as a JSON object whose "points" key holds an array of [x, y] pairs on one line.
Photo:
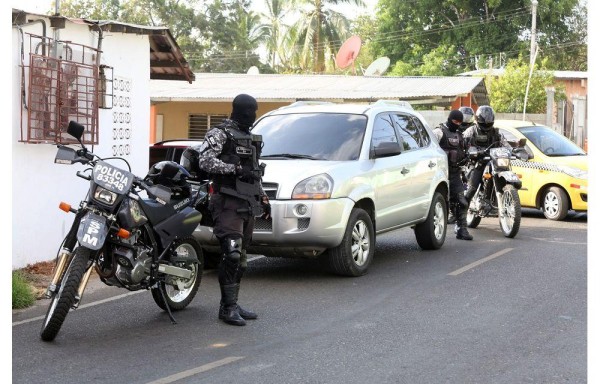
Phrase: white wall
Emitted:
{"points": [[39, 185]]}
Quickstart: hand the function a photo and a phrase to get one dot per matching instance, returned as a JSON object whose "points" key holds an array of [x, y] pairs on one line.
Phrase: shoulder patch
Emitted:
{"points": [[211, 140]]}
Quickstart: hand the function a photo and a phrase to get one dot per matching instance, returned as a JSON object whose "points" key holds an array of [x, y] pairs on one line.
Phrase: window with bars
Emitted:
{"points": [[198, 124], [60, 90]]}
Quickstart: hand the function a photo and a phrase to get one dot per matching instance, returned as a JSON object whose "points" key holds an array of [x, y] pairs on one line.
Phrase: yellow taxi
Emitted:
{"points": [[555, 179]]}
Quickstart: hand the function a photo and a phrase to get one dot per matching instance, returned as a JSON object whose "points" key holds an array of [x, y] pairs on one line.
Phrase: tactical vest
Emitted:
{"points": [[482, 139], [453, 144], [241, 148]]}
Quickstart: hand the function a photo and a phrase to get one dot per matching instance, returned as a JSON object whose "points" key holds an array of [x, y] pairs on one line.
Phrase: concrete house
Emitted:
{"points": [[182, 110], [94, 72]]}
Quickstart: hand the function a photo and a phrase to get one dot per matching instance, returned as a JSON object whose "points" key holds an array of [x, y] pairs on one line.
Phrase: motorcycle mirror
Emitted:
{"points": [[75, 129]]}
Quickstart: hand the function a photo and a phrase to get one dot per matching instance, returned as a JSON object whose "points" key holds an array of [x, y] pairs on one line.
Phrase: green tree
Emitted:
{"points": [[322, 29], [272, 32], [232, 46], [480, 30], [507, 92], [184, 19]]}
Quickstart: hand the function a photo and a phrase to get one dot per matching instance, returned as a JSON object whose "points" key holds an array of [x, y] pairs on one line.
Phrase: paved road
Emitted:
{"points": [[493, 310]]}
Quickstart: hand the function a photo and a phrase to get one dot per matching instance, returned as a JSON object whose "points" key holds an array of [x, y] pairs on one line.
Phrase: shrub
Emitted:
{"points": [[22, 293]]}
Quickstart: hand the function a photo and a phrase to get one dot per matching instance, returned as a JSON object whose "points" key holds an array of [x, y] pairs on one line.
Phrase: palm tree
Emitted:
{"points": [[322, 29], [272, 32]]}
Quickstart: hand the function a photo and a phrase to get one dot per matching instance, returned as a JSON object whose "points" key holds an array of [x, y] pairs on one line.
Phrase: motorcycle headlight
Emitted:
{"points": [[503, 162], [104, 196], [316, 187], [573, 172]]}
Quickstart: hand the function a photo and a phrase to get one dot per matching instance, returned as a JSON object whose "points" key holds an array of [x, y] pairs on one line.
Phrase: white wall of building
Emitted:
{"points": [[39, 185]]}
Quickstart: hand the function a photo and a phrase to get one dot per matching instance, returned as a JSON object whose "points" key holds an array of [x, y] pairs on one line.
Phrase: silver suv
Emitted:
{"points": [[338, 174]]}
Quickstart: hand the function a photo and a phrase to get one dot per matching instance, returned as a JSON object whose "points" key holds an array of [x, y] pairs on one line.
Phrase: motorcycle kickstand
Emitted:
{"points": [[161, 288]]}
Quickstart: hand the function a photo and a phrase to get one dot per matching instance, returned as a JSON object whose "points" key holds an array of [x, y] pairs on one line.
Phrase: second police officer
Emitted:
{"points": [[451, 140]]}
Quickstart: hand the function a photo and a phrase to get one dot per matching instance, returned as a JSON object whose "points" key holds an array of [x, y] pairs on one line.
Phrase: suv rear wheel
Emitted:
{"points": [[355, 253]]}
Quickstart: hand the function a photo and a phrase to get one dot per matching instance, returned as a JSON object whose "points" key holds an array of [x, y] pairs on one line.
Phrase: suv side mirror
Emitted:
{"points": [[386, 148]]}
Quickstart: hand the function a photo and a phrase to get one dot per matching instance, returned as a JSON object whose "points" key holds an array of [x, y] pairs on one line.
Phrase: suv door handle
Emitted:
{"points": [[404, 171], [431, 164]]}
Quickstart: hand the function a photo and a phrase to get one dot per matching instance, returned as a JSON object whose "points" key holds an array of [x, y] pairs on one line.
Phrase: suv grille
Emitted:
{"points": [[271, 190], [263, 225]]}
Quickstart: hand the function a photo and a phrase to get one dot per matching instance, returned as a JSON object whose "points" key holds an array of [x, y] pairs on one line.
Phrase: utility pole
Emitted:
{"points": [[532, 49]]}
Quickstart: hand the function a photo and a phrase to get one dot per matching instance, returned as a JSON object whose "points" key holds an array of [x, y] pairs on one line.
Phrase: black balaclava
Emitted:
{"points": [[244, 110], [457, 115]]}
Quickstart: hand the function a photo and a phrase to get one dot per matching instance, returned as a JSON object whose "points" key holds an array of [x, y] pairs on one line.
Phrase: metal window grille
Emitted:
{"points": [[63, 86], [198, 124]]}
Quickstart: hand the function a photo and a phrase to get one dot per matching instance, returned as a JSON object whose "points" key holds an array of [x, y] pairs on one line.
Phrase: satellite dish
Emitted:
{"points": [[253, 70], [348, 52], [378, 67]]}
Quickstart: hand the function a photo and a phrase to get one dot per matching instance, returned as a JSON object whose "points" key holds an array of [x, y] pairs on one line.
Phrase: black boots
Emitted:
{"points": [[229, 311], [463, 234]]}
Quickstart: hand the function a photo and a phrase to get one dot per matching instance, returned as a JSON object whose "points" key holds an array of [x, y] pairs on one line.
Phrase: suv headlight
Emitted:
{"points": [[104, 196], [315, 187]]}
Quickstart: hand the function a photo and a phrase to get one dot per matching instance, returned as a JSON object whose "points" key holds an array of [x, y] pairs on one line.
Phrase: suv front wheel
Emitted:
{"points": [[355, 253], [431, 233]]}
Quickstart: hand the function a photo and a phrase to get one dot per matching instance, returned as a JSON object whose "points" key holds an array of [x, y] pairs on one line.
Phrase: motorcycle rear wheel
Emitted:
{"points": [[509, 211], [62, 301], [176, 298]]}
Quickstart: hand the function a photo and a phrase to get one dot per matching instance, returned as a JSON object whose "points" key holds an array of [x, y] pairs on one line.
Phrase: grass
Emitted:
{"points": [[23, 295]]}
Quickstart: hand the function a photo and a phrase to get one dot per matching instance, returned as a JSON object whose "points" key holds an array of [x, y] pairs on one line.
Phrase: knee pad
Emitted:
{"points": [[232, 249]]}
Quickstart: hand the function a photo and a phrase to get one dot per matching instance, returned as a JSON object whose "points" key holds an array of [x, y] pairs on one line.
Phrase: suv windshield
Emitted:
{"points": [[316, 136], [551, 143]]}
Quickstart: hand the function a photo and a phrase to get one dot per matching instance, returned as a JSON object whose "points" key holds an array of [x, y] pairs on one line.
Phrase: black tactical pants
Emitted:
{"points": [[229, 224], [458, 202], [474, 179]]}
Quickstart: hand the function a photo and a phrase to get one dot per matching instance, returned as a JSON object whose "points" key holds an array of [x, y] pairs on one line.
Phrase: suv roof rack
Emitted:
{"points": [[306, 102], [400, 103]]}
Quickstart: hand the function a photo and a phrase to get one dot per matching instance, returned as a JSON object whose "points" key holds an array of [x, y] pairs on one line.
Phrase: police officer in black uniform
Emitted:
{"points": [[481, 135], [468, 120], [230, 156], [451, 140]]}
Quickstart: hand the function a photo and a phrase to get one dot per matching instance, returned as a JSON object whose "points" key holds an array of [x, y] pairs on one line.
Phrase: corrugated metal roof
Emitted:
{"points": [[270, 87], [500, 72]]}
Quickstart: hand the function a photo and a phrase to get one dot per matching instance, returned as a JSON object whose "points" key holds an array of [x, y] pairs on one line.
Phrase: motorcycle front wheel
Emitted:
{"points": [[179, 293], [473, 218], [62, 301], [509, 211]]}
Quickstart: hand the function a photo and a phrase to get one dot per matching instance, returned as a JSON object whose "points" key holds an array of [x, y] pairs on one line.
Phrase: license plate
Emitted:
{"points": [[112, 178]]}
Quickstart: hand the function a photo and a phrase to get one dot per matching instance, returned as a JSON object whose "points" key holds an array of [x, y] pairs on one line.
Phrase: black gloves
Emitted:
{"points": [[266, 206], [245, 173]]}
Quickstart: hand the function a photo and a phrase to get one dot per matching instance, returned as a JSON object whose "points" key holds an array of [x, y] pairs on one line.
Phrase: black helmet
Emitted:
{"points": [[168, 173], [468, 116], [485, 118], [189, 160]]}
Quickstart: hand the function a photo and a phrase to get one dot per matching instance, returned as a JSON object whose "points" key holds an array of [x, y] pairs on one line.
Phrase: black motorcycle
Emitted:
{"points": [[497, 193], [135, 233]]}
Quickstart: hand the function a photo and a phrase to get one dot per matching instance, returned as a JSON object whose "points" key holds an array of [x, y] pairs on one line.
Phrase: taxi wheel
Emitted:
{"points": [[555, 203]]}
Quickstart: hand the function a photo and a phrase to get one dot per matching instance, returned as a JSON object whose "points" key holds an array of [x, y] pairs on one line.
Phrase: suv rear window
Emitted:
{"points": [[319, 136]]}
